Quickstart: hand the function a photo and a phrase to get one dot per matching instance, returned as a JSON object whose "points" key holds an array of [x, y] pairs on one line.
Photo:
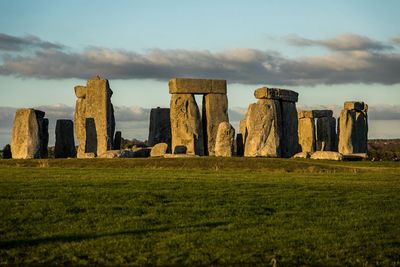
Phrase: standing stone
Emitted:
{"points": [[94, 106], [44, 137], [117, 140], [160, 127], [215, 111], [224, 144], [353, 129], [306, 129], [28, 134], [290, 139], [7, 152], [99, 107], [80, 119], [186, 126], [326, 134], [239, 145], [263, 127], [65, 143]]}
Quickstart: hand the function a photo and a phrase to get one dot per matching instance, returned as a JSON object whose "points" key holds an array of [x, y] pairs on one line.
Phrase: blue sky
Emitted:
{"points": [[328, 51]]}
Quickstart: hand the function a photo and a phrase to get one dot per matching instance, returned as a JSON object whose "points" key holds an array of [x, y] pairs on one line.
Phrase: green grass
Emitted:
{"points": [[199, 211]]}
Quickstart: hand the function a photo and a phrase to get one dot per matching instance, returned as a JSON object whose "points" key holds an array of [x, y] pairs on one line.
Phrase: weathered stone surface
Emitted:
{"points": [[80, 125], [80, 91], [290, 138], [276, 93], [302, 155], [356, 156], [353, 132], [215, 111], [99, 107], [354, 105], [306, 134], [186, 128], [180, 150], [225, 141], [327, 155], [196, 86], [7, 152], [94, 103], [159, 150], [263, 123], [160, 127], [117, 140], [43, 136], [239, 145], [88, 156], [326, 134], [65, 143], [315, 113], [124, 153], [243, 129], [28, 134]]}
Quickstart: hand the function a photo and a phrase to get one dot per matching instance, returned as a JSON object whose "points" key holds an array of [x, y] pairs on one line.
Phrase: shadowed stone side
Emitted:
{"points": [[186, 128], [263, 129], [160, 127], [29, 138], [117, 140], [224, 145], [290, 138], [65, 143], [215, 111], [326, 134]]}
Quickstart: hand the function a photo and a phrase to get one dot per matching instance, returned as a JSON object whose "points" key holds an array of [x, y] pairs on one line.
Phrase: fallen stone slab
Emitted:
{"points": [[159, 150], [141, 152], [302, 155], [171, 156], [327, 155], [356, 156], [196, 86]]}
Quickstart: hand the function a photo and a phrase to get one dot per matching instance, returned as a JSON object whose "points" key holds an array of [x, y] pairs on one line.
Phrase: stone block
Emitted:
{"points": [[327, 155], [196, 86], [186, 124], [160, 127], [326, 134], [215, 111], [306, 134], [289, 129], [224, 145], [276, 94], [65, 143], [354, 105], [117, 140], [159, 150], [263, 123], [80, 91]]}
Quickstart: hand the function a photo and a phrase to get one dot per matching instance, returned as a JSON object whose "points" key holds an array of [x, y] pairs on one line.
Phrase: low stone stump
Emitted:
{"points": [[159, 150]]}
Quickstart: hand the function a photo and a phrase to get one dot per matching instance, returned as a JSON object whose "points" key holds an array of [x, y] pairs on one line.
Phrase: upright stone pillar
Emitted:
{"points": [[225, 141], [215, 111], [186, 124], [160, 127], [65, 143], [94, 107], [117, 140], [271, 124], [263, 124], [29, 136], [306, 132], [353, 125], [326, 134]]}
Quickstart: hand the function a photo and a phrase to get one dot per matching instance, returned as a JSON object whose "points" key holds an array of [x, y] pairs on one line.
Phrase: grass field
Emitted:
{"points": [[199, 211]]}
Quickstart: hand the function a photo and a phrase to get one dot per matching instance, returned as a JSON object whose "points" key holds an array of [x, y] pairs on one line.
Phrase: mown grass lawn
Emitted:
{"points": [[199, 211]]}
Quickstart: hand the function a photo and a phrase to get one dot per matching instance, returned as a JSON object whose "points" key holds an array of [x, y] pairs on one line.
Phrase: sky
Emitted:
{"points": [[327, 51]]}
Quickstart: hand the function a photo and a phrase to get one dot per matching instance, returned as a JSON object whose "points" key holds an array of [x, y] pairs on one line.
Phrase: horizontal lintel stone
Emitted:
{"points": [[354, 105], [276, 93], [315, 113], [196, 86]]}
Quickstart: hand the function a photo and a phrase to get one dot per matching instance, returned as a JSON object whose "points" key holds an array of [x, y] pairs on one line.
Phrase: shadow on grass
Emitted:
{"points": [[82, 237]]}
